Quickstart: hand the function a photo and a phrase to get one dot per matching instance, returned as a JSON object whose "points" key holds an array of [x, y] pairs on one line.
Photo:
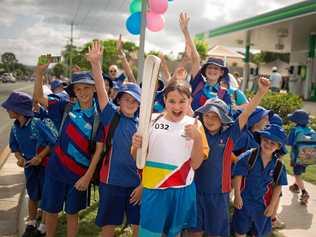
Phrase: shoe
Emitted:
{"points": [[294, 188], [37, 233], [278, 224], [29, 231], [304, 198]]}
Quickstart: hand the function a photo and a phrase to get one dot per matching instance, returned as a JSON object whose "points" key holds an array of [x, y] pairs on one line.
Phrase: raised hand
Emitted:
{"points": [[184, 21], [264, 85], [191, 130], [95, 52], [119, 44]]}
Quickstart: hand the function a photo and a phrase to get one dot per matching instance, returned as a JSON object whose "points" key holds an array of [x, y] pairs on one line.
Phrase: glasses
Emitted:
{"points": [[113, 71]]}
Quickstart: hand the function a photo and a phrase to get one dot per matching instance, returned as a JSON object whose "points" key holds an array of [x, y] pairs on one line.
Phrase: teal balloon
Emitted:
{"points": [[133, 23], [135, 6]]}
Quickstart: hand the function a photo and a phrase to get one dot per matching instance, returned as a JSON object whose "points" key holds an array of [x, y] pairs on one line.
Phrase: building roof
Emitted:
{"points": [[279, 15], [222, 51]]}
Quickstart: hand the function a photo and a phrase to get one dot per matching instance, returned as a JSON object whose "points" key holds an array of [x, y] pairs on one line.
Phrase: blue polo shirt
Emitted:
{"points": [[258, 180], [119, 167], [214, 174], [159, 104], [202, 91], [71, 156], [246, 141], [237, 96], [55, 109]]}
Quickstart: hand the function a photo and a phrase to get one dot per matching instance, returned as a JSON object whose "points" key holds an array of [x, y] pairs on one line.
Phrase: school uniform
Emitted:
{"points": [[256, 193], [69, 159], [168, 201], [202, 91], [119, 175]]}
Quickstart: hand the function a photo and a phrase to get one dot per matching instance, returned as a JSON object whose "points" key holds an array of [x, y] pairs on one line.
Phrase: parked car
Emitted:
{"points": [[7, 77]]}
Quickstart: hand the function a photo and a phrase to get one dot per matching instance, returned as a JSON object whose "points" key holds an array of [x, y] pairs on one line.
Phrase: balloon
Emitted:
{"points": [[135, 6], [133, 23], [158, 6], [154, 22]]}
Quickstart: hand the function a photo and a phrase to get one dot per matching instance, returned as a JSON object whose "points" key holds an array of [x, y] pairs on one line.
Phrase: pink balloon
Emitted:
{"points": [[154, 22], [158, 6]]}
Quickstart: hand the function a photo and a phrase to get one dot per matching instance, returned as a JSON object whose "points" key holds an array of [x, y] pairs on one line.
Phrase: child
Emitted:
{"points": [[119, 179], [257, 189], [72, 153], [301, 120], [30, 148], [213, 178], [176, 148]]}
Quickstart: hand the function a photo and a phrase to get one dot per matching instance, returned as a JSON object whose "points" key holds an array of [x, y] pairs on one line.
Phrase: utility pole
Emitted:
{"points": [[71, 45]]}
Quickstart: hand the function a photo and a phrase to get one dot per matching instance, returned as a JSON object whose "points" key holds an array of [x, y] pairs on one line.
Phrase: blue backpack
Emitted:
{"points": [[306, 146]]}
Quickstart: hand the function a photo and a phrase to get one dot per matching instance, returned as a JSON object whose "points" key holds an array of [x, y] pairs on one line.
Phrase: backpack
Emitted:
{"points": [[277, 169], [306, 147]]}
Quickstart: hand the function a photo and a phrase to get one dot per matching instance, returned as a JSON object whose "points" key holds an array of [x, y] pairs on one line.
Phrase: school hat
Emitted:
{"points": [[214, 61], [83, 77], [217, 106], [257, 115], [275, 133], [276, 119], [19, 102], [55, 84], [300, 117], [130, 88]]}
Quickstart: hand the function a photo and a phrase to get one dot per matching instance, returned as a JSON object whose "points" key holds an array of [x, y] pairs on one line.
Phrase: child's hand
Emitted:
{"points": [[136, 195], [137, 141], [264, 85], [95, 52], [184, 21], [119, 46], [238, 202], [191, 130], [83, 183], [269, 211], [43, 63], [20, 163], [35, 161]]}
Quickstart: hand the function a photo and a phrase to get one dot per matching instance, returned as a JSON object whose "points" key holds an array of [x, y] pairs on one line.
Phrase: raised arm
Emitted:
{"points": [[264, 85], [195, 57], [126, 67], [38, 85], [164, 68], [94, 56]]}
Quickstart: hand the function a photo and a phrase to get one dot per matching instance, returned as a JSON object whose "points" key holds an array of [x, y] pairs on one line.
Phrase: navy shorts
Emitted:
{"points": [[56, 194], [299, 169], [34, 177], [251, 219], [114, 204], [213, 214]]}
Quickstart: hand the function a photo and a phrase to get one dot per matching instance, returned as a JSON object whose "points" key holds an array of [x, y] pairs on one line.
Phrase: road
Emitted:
{"points": [[5, 122]]}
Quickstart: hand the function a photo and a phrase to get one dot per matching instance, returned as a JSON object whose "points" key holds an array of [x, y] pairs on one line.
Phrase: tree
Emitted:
{"points": [[9, 60], [202, 48], [58, 70]]}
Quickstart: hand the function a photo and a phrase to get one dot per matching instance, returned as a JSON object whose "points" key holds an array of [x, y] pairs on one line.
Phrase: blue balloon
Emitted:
{"points": [[133, 23]]}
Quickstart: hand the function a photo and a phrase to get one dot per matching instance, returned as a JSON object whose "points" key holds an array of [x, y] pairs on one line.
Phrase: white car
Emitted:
{"points": [[7, 77]]}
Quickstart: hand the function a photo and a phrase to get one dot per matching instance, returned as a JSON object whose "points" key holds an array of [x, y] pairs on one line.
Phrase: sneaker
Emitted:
{"points": [[304, 198], [278, 224], [294, 188], [29, 231], [38, 233]]}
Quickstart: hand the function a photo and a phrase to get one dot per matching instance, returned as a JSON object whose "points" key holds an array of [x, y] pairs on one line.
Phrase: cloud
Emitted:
{"points": [[32, 27]]}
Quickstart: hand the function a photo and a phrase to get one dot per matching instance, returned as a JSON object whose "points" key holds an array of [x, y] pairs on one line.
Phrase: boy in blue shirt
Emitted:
{"points": [[301, 120], [119, 188], [72, 152], [213, 178], [257, 187], [30, 148]]}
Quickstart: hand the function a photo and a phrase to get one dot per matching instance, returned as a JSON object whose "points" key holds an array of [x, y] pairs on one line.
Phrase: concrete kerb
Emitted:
{"points": [[4, 154]]}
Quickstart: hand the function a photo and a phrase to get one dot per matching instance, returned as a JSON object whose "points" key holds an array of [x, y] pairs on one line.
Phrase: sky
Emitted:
{"points": [[30, 28]]}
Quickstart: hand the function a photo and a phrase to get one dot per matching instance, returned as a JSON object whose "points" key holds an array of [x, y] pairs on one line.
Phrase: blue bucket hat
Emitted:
{"points": [[276, 119], [83, 77], [257, 115], [214, 61], [300, 117], [130, 88], [219, 107], [55, 84], [275, 133], [19, 102]]}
